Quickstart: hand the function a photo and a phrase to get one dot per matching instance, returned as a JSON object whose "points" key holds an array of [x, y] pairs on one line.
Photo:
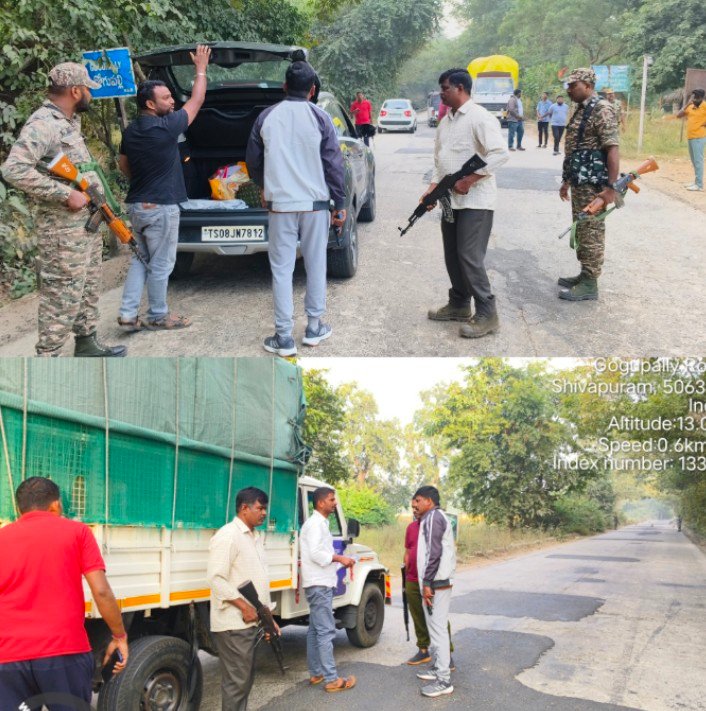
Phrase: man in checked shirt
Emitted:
{"points": [[237, 554], [468, 214]]}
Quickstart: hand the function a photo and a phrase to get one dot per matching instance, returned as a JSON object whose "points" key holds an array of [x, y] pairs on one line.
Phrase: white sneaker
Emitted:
{"points": [[695, 189], [689, 185]]}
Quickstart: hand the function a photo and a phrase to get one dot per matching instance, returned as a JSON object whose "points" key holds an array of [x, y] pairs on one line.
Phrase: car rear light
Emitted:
{"points": [[383, 112], [408, 113]]}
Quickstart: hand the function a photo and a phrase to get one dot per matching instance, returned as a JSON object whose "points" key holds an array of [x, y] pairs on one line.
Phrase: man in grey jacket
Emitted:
{"points": [[293, 153], [436, 565]]}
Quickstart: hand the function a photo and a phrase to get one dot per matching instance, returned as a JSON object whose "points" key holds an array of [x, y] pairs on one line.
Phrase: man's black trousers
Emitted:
{"points": [[557, 132], [543, 128], [465, 245]]}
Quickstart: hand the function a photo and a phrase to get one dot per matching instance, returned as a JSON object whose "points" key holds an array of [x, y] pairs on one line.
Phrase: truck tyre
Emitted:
{"points": [[370, 616], [182, 266], [342, 263], [155, 678], [367, 212]]}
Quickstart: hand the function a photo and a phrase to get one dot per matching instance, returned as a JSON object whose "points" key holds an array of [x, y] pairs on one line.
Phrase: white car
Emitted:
{"points": [[397, 115]]}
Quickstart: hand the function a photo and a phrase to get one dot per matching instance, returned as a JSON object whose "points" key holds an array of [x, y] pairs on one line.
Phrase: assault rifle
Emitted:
{"points": [[405, 604], [100, 210], [267, 622], [444, 188], [621, 185]]}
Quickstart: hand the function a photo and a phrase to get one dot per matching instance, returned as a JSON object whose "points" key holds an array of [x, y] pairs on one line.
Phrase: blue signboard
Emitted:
{"points": [[112, 69], [615, 76]]}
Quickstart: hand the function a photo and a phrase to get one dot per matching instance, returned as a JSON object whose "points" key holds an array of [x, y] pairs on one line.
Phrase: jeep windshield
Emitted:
{"points": [[264, 75]]}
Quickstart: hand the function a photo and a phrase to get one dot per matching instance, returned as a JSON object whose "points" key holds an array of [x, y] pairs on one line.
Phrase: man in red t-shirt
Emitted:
{"points": [[414, 596], [44, 648], [362, 111]]}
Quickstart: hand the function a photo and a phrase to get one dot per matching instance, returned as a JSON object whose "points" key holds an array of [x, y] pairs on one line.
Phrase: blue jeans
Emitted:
{"points": [[515, 128], [322, 630], [696, 153], [63, 682], [156, 231]]}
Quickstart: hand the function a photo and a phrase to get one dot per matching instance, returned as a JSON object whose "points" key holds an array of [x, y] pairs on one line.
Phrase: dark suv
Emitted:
{"points": [[243, 79]]}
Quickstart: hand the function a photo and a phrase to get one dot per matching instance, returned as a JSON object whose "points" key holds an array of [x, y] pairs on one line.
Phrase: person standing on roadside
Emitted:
{"points": [[515, 120], [44, 648], [319, 578], [149, 158], [236, 555], [558, 118], [69, 257], [543, 107], [436, 566], [468, 214], [695, 113], [294, 154], [590, 169], [414, 594], [362, 111]]}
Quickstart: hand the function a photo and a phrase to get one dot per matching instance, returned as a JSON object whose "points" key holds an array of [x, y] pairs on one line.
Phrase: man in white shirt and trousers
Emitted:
{"points": [[318, 569], [468, 215], [236, 555]]}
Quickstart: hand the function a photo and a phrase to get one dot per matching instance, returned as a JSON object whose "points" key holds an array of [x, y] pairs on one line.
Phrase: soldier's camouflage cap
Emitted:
{"points": [[72, 74], [582, 74]]}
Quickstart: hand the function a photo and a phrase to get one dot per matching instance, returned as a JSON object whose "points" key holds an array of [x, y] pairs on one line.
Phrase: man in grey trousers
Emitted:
{"points": [[468, 213], [436, 565], [294, 155], [236, 555]]}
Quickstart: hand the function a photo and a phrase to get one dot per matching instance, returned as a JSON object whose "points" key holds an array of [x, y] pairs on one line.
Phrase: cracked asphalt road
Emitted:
{"points": [[650, 291], [540, 631]]}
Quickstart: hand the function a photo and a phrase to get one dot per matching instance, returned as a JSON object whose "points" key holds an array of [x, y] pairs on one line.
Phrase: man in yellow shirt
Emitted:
{"points": [[695, 112]]}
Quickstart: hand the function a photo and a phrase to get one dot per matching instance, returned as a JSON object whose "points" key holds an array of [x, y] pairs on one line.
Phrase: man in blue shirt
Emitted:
{"points": [[558, 115], [543, 120]]}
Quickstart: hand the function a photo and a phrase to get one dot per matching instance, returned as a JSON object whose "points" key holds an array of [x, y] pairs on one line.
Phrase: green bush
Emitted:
{"points": [[577, 514], [365, 504]]}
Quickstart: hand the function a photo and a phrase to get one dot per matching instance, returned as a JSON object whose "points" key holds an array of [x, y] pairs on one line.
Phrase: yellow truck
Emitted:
{"points": [[494, 79]]}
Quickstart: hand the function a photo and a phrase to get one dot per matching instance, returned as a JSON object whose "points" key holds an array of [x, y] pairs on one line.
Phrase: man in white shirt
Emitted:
{"points": [[236, 555], [318, 569], [468, 215]]}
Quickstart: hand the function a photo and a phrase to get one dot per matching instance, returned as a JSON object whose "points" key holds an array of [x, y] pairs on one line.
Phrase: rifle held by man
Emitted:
{"points": [[267, 621], [405, 604], [444, 188], [100, 211], [622, 184]]}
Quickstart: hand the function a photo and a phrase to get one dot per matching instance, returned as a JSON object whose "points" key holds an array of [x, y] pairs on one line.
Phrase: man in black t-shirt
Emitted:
{"points": [[149, 157]]}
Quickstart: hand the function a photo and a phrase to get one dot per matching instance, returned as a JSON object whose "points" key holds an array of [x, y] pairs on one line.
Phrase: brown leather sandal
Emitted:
{"points": [[342, 684], [130, 326], [314, 680], [168, 323]]}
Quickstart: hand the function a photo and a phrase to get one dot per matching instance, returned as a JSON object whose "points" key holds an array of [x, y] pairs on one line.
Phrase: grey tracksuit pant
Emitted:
{"points": [[285, 230], [437, 624]]}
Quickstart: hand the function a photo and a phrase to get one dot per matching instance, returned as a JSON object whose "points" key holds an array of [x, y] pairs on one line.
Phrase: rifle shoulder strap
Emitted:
{"points": [[94, 166]]}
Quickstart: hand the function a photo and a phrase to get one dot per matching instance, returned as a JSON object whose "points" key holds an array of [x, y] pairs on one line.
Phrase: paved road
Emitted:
{"points": [[650, 293], [606, 623]]}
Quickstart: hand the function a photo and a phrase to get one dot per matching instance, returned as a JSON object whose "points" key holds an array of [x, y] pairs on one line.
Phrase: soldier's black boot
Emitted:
{"points": [[484, 321], [89, 347], [568, 282], [585, 290]]}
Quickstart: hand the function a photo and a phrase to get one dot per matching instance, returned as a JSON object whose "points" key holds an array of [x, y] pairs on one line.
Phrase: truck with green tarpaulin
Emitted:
{"points": [[150, 453]]}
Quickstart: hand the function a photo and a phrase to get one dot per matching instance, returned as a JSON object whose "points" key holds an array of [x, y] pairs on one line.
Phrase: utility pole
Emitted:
{"points": [[646, 62]]}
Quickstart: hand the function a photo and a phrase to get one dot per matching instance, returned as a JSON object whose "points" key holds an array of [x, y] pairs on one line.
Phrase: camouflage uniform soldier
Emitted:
{"points": [[590, 168], [617, 106], [69, 257]]}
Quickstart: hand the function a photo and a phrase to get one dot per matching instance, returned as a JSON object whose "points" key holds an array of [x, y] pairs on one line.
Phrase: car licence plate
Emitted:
{"points": [[243, 233]]}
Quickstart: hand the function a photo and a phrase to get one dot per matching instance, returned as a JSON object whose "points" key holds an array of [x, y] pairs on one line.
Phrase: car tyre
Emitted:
{"points": [[367, 212], [182, 265], [156, 677], [370, 616], [342, 263]]}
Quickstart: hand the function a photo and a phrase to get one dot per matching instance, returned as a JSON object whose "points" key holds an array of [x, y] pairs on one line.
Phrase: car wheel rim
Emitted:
{"points": [[163, 692]]}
